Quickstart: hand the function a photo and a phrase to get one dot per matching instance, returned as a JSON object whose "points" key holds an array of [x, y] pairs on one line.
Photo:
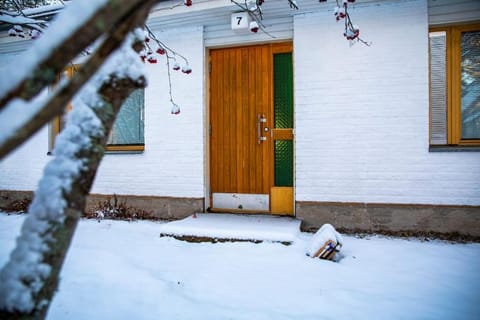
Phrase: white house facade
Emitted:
{"points": [[359, 147]]}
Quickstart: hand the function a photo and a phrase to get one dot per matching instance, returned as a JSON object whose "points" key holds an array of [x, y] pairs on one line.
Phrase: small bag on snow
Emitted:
{"points": [[326, 242]]}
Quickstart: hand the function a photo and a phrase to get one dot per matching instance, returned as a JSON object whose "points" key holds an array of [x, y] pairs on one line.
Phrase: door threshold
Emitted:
{"points": [[248, 212], [237, 211]]}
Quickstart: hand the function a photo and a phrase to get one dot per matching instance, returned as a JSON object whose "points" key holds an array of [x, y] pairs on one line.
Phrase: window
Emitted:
{"points": [[455, 85], [127, 133]]}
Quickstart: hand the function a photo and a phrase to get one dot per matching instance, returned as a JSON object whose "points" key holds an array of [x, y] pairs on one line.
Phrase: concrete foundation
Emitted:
{"points": [[362, 217], [168, 208], [370, 217]]}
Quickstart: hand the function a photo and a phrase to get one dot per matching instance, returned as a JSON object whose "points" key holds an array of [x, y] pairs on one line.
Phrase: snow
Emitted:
{"points": [[23, 276], [124, 270], [26, 271], [125, 63], [232, 226], [54, 7], [18, 19], [325, 233]]}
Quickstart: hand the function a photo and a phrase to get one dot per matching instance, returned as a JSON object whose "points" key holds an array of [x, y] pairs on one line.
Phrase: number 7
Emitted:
{"points": [[238, 20]]}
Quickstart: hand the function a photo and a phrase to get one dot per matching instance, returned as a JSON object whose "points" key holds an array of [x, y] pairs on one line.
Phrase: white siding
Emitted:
{"points": [[278, 17], [442, 12], [10, 47], [362, 113], [222, 34]]}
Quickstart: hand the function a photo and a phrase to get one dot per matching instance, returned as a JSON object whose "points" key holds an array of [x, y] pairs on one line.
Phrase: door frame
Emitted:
{"points": [[276, 47]]}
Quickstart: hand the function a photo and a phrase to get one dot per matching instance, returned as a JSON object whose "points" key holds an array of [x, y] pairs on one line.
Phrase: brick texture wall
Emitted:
{"points": [[362, 113]]}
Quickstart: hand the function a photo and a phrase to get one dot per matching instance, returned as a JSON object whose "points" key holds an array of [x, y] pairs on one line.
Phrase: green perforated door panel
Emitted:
{"points": [[283, 163], [283, 95], [283, 90]]}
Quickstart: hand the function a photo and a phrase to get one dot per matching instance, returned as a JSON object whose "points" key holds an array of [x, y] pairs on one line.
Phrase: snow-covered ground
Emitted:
{"points": [[124, 270]]}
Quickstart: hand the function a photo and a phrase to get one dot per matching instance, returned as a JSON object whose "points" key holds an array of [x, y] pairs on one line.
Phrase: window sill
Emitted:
{"points": [[109, 152], [454, 149], [123, 152], [114, 149]]}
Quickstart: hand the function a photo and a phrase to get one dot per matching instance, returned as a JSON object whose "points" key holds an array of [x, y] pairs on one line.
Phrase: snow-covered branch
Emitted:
{"points": [[27, 280], [30, 278], [45, 71], [52, 52], [15, 5], [26, 14], [17, 18]]}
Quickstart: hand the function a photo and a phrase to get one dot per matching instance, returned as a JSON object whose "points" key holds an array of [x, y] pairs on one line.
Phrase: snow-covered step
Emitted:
{"points": [[233, 227]]}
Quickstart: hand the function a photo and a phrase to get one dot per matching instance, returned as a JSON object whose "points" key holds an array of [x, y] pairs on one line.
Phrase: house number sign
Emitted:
{"points": [[240, 22]]}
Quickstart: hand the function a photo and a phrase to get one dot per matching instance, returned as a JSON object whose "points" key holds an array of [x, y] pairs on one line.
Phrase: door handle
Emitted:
{"points": [[260, 129]]}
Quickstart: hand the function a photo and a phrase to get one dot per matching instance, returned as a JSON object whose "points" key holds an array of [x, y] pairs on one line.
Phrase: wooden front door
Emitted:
{"points": [[241, 122]]}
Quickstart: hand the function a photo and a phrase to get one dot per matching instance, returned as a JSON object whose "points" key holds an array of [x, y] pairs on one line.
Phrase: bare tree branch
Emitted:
{"points": [[54, 63], [59, 99], [59, 233]]}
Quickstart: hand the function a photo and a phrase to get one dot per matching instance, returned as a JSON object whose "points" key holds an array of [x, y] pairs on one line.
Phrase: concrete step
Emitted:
{"points": [[221, 227]]}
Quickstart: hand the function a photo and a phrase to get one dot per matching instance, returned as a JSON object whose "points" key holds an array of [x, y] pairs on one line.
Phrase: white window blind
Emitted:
{"points": [[438, 88]]}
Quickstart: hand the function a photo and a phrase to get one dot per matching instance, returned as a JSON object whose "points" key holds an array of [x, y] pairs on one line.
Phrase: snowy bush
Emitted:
{"points": [[118, 209], [18, 205]]}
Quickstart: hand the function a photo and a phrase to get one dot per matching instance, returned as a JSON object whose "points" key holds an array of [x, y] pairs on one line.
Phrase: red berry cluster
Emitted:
{"points": [[34, 33], [175, 109], [16, 31], [352, 32], [153, 49], [254, 27], [341, 11], [149, 55]]}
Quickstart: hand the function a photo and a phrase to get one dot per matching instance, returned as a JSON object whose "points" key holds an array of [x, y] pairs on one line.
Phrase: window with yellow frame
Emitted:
{"points": [[127, 134], [455, 85]]}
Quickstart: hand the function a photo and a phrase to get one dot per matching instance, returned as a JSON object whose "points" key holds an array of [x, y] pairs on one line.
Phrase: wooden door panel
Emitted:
{"points": [[240, 88]]}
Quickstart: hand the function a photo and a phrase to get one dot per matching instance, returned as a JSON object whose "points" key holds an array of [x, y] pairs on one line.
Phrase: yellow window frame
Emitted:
{"points": [[454, 83], [56, 126]]}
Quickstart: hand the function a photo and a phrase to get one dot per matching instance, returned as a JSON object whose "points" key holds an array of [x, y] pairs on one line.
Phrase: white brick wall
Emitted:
{"points": [[362, 113], [361, 120], [173, 161], [22, 169]]}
